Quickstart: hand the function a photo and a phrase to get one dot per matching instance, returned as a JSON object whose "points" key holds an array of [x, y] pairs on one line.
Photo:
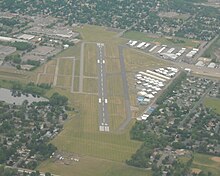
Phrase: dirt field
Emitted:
{"points": [[196, 171], [216, 159]]}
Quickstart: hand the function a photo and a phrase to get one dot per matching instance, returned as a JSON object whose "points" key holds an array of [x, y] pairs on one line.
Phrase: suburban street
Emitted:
{"points": [[102, 90]]}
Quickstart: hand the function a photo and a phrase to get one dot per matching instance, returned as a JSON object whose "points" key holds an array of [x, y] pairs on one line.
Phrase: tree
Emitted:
{"points": [[48, 174], [58, 100]]}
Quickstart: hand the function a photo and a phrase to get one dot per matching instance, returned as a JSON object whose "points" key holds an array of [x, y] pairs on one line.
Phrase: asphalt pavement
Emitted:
{"points": [[102, 90], [126, 92]]}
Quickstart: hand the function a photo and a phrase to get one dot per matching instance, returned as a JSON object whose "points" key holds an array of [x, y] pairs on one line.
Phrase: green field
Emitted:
{"points": [[81, 133], [101, 153], [70, 52], [206, 164], [138, 61], [46, 79], [90, 85], [65, 66], [89, 166], [90, 60], [213, 103], [181, 42], [14, 74]]}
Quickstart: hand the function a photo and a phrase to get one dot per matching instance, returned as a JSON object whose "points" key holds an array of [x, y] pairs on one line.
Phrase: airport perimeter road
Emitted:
{"points": [[126, 93], [102, 90]]}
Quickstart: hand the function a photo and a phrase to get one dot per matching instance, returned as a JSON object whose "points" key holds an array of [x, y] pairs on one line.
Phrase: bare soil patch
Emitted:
{"points": [[196, 171], [216, 159]]}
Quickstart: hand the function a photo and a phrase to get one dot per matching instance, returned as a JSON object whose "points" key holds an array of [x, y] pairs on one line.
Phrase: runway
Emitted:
{"points": [[102, 90]]}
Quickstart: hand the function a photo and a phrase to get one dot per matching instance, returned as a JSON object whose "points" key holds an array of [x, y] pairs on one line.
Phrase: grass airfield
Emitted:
{"points": [[107, 152], [101, 154]]}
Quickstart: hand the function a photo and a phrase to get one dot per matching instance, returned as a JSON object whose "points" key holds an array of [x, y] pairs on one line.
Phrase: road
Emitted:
{"points": [[56, 73], [126, 93], [73, 76], [196, 105], [102, 90], [81, 68], [204, 48]]}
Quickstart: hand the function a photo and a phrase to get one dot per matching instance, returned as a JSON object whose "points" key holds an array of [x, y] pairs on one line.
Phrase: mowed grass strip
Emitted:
{"points": [[213, 103], [76, 84], [111, 49], [13, 73], [46, 79], [65, 66], [77, 67], [64, 81], [90, 60], [72, 51], [90, 85], [114, 85], [112, 65], [50, 69], [116, 109], [95, 33], [137, 61], [89, 166]]}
